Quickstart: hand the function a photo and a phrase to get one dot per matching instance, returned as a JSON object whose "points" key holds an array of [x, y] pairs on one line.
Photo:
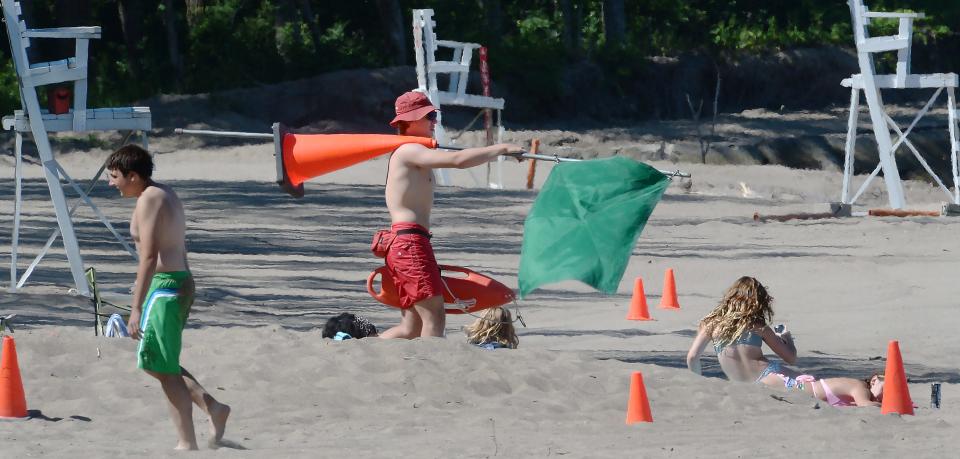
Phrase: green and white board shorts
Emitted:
{"points": [[163, 316]]}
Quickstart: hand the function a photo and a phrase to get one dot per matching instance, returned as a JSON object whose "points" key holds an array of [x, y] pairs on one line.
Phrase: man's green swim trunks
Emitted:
{"points": [[163, 316]]}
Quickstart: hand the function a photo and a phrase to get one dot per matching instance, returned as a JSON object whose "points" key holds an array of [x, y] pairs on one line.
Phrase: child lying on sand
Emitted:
{"points": [[493, 330], [347, 326], [844, 391]]}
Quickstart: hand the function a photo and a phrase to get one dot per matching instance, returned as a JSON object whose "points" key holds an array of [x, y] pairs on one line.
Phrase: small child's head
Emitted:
{"points": [[346, 326], [494, 326], [745, 306], [875, 383]]}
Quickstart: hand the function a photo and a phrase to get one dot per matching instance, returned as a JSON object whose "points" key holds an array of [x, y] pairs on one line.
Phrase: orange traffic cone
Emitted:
{"points": [[12, 402], [638, 407], [669, 298], [896, 394], [301, 157], [638, 304]]}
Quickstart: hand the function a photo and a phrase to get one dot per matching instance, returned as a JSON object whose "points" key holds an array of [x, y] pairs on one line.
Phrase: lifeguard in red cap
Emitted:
{"points": [[409, 194]]}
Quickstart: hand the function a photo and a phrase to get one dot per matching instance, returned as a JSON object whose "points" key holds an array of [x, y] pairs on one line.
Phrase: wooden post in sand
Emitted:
{"points": [[532, 169]]}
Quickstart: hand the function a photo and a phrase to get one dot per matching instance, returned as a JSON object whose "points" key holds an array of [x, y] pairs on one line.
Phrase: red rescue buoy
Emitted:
{"points": [[474, 291]]}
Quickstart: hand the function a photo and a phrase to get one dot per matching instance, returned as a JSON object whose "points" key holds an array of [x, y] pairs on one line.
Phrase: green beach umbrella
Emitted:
{"points": [[585, 222]]}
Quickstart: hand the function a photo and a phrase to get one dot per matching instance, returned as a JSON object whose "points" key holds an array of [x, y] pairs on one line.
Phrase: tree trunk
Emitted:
{"points": [[391, 18], [194, 10], [173, 41], [614, 22], [571, 27], [311, 19], [284, 13], [131, 22]]}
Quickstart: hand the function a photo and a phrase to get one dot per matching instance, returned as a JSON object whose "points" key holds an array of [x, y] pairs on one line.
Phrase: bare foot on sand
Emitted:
{"points": [[218, 423]]}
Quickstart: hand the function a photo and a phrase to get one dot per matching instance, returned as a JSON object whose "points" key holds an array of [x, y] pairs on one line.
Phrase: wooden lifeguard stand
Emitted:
{"points": [[39, 122], [457, 70], [871, 84]]}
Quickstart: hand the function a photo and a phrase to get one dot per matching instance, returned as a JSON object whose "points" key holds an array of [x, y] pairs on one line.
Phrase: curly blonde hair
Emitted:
{"points": [[744, 307], [494, 326]]}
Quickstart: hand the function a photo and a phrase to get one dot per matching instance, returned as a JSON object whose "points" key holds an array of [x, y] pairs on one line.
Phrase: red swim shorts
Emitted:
{"points": [[413, 266]]}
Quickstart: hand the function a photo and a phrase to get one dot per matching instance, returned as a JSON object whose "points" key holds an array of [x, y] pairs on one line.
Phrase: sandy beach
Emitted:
{"points": [[271, 269]]}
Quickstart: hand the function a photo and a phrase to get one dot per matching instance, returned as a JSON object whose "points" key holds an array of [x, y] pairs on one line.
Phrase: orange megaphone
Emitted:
{"points": [[301, 157]]}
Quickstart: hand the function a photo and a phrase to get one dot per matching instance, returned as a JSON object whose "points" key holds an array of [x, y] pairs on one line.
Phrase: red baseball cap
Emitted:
{"points": [[411, 106]]}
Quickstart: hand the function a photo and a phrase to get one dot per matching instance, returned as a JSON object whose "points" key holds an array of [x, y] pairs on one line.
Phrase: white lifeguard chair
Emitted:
{"points": [[457, 69], [38, 122], [871, 84]]}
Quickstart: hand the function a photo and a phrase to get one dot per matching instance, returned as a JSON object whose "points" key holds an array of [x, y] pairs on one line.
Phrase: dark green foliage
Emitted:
{"points": [[234, 43]]}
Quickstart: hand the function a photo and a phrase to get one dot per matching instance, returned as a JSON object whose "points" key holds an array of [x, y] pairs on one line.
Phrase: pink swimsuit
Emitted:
{"points": [[832, 399]]}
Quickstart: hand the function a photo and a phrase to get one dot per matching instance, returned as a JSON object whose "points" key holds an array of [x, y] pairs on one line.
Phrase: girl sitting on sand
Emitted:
{"points": [[738, 327], [493, 330], [346, 326]]}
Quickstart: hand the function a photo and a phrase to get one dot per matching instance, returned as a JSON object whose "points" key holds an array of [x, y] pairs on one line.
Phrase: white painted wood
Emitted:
{"points": [[954, 143], [850, 147], [17, 204], [454, 68], [927, 81], [470, 100], [455, 44], [871, 84], [98, 119], [80, 90], [880, 44], [39, 123], [903, 55], [419, 52], [92, 32], [923, 162], [455, 74], [893, 15], [863, 186]]}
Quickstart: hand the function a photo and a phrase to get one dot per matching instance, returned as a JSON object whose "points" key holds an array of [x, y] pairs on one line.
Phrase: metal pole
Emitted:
{"points": [[248, 135], [561, 159], [525, 155]]}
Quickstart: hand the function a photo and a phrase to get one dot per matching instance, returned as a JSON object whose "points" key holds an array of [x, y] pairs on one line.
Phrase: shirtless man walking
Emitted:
{"points": [[163, 292], [409, 195]]}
